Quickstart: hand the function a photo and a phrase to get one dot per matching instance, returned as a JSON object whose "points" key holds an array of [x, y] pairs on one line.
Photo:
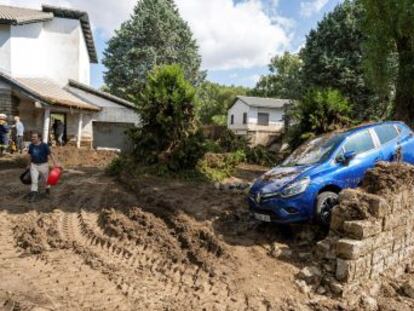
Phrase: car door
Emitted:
{"points": [[367, 154], [388, 137], [406, 144]]}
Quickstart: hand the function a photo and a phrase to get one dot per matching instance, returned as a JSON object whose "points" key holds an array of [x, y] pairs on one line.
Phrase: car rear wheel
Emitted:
{"points": [[324, 204]]}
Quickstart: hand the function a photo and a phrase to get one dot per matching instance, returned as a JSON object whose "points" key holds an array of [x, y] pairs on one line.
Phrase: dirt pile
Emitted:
{"points": [[71, 157]]}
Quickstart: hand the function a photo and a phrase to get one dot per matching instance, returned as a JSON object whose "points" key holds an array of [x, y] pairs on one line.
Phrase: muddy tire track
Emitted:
{"points": [[49, 282]]}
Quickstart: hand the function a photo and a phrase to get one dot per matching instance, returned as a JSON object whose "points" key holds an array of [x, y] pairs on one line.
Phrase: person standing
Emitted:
{"points": [[39, 154], [19, 134], [4, 134], [60, 129]]}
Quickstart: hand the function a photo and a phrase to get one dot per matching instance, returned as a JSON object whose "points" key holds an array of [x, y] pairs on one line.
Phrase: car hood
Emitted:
{"points": [[278, 177]]}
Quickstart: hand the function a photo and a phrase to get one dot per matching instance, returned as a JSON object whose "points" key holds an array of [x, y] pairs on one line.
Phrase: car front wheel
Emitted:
{"points": [[324, 204]]}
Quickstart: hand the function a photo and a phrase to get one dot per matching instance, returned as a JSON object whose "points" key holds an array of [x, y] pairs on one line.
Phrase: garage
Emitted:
{"points": [[111, 135]]}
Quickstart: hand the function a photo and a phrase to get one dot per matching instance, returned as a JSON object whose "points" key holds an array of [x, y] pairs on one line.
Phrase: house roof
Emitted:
{"points": [[18, 16], [110, 97], [261, 102], [47, 91], [83, 18]]}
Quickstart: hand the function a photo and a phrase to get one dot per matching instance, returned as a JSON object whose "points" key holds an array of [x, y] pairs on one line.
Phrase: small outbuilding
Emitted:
{"points": [[260, 119]]}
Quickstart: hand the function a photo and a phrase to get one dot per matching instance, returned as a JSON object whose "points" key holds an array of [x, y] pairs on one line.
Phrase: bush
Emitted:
{"points": [[262, 156], [168, 136], [231, 142], [320, 111], [218, 166]]}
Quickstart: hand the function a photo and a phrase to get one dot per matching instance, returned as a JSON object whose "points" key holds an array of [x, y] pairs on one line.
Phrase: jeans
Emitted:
{"points": [[37, 170], [19, 143]]}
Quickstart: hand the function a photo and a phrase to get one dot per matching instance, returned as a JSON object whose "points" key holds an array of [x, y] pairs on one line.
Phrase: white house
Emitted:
{"points": [[261, 119], [45, 58]]}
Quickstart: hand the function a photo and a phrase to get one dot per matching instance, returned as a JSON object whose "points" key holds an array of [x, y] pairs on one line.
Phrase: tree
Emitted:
{"points": [[213, 101], [284, 80], [168, 134], [154, 35], [333, 58], [320, 111], [389, 28]]}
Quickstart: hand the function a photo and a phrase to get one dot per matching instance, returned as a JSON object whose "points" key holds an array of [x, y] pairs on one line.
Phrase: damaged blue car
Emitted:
{"points": [[306, 185]]}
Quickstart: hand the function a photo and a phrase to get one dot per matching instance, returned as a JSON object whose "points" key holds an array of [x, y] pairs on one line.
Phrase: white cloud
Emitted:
{"points": [[311, 7], [234, 35], [242, 35]]}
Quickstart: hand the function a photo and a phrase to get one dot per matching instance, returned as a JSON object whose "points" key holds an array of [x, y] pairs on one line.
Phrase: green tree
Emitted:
{"points": [[284, 80], [333, 57], [389, 28], [154, 35], [320, 111], [168, 135], [213, 101]]}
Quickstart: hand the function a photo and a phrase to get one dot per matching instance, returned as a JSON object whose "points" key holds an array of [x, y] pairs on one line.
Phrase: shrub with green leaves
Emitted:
{"points": [[168, 136], [218, 166], [320, 111]]}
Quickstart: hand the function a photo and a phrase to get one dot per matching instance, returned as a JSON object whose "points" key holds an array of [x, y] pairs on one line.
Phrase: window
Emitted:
{"points": [[359, 143], [232, 119], [245, 118], [386, 133], [263, 119]]}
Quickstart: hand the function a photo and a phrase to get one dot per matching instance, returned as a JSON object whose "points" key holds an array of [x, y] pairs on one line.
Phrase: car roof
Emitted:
{"points": [[370, 125]]}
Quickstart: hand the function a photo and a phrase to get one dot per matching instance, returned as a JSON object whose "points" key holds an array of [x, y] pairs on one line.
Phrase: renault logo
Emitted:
{"points": [[258, 197]]}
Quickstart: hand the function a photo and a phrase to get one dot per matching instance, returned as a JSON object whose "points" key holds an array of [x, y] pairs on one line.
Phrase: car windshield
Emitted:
{"points": [[315, 151]]}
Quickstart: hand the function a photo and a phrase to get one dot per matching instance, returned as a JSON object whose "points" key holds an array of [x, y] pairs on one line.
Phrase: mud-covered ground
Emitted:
{"points": [[147, 244]]}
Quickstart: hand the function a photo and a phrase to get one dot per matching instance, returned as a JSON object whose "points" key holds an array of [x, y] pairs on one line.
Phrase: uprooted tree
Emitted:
{"points": [[168, 136]]}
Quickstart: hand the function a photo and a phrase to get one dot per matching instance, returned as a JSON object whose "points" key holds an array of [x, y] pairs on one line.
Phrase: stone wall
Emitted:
{"points": [[371, 231]]}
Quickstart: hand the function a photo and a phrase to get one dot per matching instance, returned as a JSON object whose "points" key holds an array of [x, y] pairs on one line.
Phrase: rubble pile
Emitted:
{"points": [[371, 231]]}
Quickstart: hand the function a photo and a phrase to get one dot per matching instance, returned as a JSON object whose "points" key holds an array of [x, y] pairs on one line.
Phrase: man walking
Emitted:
{"points": [[39, 154], [19, 134]]}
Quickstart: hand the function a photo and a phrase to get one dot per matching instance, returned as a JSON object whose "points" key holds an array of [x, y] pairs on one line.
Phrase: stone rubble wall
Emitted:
{"points": [[371, 230]]}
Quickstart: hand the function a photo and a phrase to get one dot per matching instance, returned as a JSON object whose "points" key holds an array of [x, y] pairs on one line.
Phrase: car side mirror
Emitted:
{"points": [[346, 157]]}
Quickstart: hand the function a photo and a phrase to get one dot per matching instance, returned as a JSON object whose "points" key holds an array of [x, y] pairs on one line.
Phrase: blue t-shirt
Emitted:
{"points": [[39, 153]]}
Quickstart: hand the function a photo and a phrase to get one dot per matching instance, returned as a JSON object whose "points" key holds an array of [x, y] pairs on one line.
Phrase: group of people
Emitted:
{"points": [[38, 152], [12, 136], [6, 142]]}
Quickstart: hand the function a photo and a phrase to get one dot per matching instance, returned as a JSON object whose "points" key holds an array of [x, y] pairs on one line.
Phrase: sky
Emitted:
{"points": [[237, 38]]}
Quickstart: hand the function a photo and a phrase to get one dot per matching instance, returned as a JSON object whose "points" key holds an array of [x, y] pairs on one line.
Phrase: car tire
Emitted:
{"points": [[324, 204]]}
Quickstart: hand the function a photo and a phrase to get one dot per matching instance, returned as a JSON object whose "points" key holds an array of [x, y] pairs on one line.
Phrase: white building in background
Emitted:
{"points": [[45, 58], [260, 119]]}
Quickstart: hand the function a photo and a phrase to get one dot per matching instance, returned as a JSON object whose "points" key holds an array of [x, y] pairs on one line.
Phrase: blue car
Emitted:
{"points": [[306, 185]]}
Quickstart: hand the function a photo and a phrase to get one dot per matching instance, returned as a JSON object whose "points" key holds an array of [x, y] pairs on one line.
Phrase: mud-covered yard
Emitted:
{"points": [[147, 244]]}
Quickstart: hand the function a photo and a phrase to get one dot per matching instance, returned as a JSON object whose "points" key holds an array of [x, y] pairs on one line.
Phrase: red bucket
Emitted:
{"points": [[54, 176]]}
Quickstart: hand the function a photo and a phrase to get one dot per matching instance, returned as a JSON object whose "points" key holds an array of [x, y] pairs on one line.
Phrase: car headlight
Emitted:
{"points": [[296, 188]]}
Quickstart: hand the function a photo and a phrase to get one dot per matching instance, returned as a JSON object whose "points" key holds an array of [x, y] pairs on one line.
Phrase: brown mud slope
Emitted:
{"points": [[162, 246], [153, 244]]}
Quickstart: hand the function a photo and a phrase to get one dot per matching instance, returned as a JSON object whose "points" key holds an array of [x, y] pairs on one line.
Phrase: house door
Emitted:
{"points": [[58, 122]]}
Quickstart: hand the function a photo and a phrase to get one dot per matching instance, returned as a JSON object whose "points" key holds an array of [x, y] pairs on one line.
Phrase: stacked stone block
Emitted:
{"points": [[371, 234]]}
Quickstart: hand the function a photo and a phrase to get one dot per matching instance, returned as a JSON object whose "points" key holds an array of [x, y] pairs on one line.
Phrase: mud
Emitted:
{"points": [[148, 243], [388, 177]]}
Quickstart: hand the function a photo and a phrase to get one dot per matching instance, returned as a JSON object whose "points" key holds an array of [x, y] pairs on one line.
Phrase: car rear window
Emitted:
{"points": [[386, 133], [359, 143]]}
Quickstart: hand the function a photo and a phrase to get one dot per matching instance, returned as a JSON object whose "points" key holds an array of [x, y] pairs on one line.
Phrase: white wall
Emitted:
{"points": [[111, 112], [238, 109], [275, 118], [55, 49], [5, 48]]}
